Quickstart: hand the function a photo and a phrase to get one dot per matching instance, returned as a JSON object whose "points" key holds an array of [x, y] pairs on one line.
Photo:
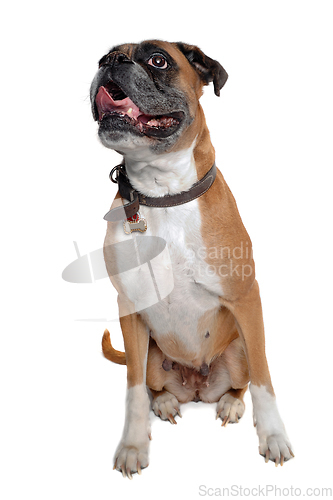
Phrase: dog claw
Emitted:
{"points": [[150, 438], [129, 474], [172, 420], [138, 466], [291, 453], [178, 412], [123, 470], [225, 421], [278, 460]]}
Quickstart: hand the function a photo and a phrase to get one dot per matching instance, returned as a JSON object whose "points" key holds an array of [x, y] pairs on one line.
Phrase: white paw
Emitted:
{"points": [[275, 447], [166, 406], [131, 459], [229, 409], [273, 440]]}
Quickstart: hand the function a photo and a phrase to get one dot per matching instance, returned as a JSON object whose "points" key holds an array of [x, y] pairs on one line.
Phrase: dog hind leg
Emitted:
{"points": [[273, 440]]}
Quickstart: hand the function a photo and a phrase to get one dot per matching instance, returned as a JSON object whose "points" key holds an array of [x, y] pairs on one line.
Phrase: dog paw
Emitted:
{"points": [[229, 409], [166, 406], [273, 440], [131, 459], [275, 447]]}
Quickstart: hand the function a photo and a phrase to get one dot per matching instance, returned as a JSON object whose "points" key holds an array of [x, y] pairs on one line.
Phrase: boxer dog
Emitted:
{"points": [[205, 340]]}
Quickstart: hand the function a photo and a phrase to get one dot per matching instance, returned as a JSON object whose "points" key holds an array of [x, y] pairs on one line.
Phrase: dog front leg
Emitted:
{"points": [[273, 440], [132, 452]]}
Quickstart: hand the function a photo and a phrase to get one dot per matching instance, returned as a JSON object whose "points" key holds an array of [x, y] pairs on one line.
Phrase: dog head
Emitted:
{"points": [[147, 95]]}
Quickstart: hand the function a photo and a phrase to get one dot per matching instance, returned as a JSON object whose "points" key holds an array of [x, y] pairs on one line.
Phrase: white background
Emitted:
{"points": [[62, 402]]}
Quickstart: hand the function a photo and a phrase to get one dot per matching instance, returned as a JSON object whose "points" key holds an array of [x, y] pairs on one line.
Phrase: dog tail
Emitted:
{"points": [[111, 353]]}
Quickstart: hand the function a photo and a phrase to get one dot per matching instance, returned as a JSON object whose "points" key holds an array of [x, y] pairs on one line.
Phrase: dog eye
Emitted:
{"points": [[158, 61]]}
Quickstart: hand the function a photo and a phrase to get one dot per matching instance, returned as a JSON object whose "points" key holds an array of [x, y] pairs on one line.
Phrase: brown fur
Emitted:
{"points": [[110, 353], [136, 340]]}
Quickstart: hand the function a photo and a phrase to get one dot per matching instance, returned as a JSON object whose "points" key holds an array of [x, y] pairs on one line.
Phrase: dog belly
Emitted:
{"points": [[176, 322]]}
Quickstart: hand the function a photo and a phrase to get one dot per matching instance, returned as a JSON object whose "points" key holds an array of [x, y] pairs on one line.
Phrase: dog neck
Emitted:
{"points": [[159, 175]]}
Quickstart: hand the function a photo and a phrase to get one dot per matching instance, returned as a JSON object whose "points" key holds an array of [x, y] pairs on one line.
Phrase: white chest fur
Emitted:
{"points": [[195, 289]]}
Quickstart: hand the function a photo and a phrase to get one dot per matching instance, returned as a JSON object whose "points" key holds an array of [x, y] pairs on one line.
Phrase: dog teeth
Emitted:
{"points": [[130, 111], [162, 122], [153, 123]]}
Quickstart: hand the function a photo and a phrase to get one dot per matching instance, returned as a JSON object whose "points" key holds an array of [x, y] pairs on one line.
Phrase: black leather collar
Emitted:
{"points": [[136, 199]]}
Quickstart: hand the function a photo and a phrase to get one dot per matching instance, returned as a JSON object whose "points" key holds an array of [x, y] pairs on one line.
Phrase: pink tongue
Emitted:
{"points": [[106, 104]]}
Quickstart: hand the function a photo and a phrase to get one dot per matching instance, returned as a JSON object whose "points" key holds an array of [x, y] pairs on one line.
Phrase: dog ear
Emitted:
{"points": [[208, 69]]}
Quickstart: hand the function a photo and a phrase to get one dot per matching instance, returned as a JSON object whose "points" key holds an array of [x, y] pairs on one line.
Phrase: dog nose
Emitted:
{"points": [[114, 58]]}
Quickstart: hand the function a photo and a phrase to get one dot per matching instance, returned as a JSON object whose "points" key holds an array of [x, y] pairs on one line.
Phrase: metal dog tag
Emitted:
{"points": [[135, 223]]}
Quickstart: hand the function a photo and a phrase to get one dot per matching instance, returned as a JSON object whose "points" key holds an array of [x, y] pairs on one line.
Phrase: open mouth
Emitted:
{"points": [[112, 101]]}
